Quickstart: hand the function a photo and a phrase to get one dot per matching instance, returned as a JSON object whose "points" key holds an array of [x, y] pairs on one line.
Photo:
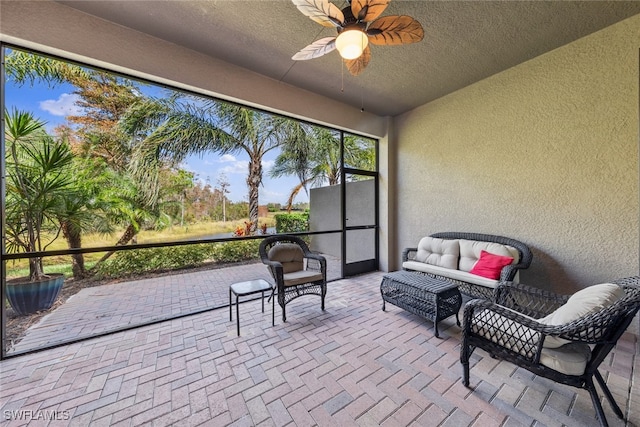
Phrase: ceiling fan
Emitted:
{"points": [[357, 25]]}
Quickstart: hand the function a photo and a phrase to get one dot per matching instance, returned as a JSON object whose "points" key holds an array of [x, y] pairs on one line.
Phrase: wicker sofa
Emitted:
{"points": [[475, 262]]}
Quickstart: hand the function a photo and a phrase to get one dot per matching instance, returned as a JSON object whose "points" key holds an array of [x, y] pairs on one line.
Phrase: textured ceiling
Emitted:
{"points": [[465, 41]]}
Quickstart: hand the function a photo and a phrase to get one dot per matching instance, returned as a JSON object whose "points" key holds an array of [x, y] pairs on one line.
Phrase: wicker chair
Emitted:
{"points": [[508, 330], [296, 270]]}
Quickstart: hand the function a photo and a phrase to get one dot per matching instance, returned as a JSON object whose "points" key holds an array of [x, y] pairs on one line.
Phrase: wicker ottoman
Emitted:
{"points": [[426, 296]]}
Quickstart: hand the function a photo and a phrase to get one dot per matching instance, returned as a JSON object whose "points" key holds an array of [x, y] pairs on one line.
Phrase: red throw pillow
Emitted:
{"points": [[490, 265]]}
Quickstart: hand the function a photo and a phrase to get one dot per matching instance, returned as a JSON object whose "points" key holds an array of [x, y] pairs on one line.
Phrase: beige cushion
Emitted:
{"points": [[440, 252], [570, 359], [299, 277], [582, 303], [449, 273], [470, 252], [289, 255]]}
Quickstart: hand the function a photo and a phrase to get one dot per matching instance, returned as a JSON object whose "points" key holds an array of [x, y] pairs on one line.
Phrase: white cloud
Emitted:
{"points": [[236, 167], [267, 164], [64, 106], [227, 158]]}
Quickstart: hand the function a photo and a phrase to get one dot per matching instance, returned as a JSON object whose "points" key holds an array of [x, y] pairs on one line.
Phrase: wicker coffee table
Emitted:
{"points": [[427, 296]]}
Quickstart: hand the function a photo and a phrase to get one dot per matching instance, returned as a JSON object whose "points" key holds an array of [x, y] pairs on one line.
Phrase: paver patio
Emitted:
{"points": [[352, 364], [101, 309]]}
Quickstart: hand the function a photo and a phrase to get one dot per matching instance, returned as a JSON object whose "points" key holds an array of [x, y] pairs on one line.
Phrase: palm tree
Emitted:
{"points": [[39, 183], [178, 127], [23, 67], [104, 99], [316, 159], [88, 207]]}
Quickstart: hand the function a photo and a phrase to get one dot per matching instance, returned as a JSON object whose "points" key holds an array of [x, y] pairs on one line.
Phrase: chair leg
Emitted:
{"points": [[607, 393], [465, 373], [465, 355], [282, 303], [596, 402]]}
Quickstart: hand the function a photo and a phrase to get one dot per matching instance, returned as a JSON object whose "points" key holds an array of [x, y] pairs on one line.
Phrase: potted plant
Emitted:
{"points": [[38, 182]]}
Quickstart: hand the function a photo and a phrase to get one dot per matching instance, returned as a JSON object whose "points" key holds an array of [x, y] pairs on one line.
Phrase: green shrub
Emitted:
{"points": [[240, 250], [127, 263], [292, 222]]}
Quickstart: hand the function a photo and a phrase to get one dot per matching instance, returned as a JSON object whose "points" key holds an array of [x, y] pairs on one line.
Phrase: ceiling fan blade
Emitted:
{"points": [[357, 66], [322, 11], [316, 49], [368, 10], [395, 30]]}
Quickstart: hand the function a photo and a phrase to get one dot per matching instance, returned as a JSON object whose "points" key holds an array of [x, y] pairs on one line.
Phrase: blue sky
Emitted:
{"points": [[54, 104]]}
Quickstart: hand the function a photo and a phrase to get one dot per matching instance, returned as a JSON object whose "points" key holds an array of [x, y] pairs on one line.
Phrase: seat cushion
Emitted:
{"points": [[582, 303], [440, 252], [570, 359], [463, 276], [289, 255], [302, 276]]}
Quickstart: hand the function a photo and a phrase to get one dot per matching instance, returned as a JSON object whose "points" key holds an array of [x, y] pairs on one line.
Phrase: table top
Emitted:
{"points": [[423, 281], [250, 287]]}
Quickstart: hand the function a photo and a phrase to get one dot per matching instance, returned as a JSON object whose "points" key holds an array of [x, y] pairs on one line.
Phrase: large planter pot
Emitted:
{"points": [[28, 297]]}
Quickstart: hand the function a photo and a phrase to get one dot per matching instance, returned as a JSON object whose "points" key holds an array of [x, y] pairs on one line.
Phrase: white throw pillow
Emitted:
{"points": [[582, 303]]}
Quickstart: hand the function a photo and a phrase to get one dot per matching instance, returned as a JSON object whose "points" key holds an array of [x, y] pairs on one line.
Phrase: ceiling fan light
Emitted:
{"points": [[351, 43]]}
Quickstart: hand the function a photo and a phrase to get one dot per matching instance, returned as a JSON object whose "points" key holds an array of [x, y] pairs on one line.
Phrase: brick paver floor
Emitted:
{"points": [[101, 309], [352, 364]]}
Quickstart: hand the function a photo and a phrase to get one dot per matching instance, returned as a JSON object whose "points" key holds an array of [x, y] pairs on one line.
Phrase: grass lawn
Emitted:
{"points": [[62, 264]]}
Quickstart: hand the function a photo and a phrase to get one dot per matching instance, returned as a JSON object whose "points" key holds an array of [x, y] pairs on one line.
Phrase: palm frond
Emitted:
{"points": [[23, 67], [357, 66], [368, 10], [395, 30], [322, 11]]}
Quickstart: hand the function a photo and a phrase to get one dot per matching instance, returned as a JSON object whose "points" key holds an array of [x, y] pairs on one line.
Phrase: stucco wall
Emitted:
{"points": [[545, 152]]}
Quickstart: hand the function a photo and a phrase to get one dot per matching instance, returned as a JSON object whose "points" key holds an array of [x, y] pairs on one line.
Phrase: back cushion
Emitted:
{"points": [[440, 252], [583, 303], [289, 255], [470, 251]]}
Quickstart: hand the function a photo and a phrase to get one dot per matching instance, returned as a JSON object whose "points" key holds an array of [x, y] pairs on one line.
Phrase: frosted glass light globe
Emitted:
{"points": [[351, 43]]}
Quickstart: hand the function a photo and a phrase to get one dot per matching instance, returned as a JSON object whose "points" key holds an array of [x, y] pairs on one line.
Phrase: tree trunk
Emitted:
{"points": [[293, 195], [253, 182], [74, 241], [36, 271], [126, 237]]}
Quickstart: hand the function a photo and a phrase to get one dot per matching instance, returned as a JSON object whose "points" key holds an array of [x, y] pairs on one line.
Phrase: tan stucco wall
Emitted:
{"points": [[545, 152]]}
